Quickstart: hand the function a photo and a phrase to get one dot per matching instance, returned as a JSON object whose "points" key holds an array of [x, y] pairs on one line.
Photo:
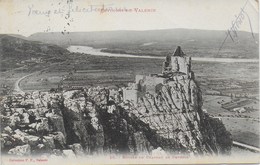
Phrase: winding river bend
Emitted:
{"points": [[97, 52]]}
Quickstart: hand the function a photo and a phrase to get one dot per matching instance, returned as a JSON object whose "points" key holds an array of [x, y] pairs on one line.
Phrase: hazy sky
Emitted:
{"points": [[29, 16]]}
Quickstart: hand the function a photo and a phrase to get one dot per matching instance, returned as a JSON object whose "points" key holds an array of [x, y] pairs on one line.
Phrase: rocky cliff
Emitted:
{"points": [[176, 115], [94, 121]]}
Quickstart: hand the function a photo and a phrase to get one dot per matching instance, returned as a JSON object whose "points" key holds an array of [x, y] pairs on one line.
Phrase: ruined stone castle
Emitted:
{"points": [[176, 66]]}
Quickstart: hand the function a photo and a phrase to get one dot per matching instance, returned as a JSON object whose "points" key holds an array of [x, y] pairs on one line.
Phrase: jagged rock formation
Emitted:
{"points": [[172, 105], [81, 121], [95, 121]]}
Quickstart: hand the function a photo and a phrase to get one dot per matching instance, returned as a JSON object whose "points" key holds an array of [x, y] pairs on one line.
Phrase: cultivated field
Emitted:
{"points": [[244, 127], [243, 130], [84, 70]]}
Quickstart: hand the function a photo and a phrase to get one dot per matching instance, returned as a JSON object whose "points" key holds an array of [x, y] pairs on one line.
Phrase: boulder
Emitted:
{"points": [[25, 118], [24, 150], [59, 140], [43, 126], [48, 142], [30, 131], [32, 140], [158, 152], [19, 136], [20, 111], [57, 152], [40, 146], [69, 154], [42, 111], [77, 149], [8, 130], [14, 120], [33, 125]]}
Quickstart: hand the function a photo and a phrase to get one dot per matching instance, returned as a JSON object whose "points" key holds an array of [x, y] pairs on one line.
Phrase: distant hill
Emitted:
{"points": [[18, 36], [202, 43], [14, 50]]}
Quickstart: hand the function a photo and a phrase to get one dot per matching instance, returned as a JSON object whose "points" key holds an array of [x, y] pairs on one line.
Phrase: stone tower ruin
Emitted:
{"points": [[178, 62]]}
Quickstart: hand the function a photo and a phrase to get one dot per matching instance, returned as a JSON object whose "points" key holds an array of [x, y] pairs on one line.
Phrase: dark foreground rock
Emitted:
{"points": [[90, 122]]}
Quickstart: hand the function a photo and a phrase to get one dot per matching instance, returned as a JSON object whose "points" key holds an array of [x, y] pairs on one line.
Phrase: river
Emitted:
{"points": [[97, 52]]}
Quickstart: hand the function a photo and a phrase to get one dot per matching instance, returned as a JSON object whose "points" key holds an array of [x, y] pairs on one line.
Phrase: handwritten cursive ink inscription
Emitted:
{"points": [[33, 11], [235, 24]]}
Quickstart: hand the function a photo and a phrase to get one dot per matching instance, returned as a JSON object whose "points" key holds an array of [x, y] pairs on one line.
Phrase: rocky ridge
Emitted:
{"points": [[95, 121]]}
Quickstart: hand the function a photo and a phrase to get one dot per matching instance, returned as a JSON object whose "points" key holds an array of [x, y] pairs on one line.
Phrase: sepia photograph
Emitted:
{"points": [[129, 82]]}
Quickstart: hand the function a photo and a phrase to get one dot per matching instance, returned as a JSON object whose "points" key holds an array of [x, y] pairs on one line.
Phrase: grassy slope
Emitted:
{"points": [[14, 50]]}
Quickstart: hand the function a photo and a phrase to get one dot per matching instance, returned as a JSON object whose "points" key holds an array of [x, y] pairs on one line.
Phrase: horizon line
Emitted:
{"points": [[125, 31]]}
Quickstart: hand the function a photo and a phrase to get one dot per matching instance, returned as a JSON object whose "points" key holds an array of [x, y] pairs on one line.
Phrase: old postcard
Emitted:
{"points": [[129, 82]]}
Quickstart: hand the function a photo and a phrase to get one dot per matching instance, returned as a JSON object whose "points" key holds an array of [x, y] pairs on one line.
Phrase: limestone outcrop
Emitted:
{"points": [[89, 122]]}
